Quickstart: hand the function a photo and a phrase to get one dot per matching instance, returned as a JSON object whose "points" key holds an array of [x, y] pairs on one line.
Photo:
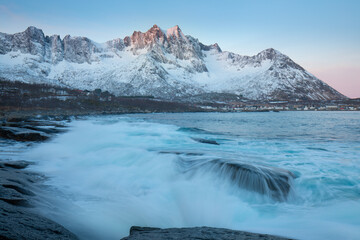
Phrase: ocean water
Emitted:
{"points": [[294, 174]]}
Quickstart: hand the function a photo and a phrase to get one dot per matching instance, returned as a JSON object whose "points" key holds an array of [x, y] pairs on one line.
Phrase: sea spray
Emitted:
{"points": [[109, 173]]}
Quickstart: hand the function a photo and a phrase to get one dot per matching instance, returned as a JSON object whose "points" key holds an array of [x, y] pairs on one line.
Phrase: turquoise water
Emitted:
{"points": [[112, 172]]}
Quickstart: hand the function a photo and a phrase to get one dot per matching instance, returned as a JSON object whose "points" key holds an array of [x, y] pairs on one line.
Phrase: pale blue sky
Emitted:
{"points": [[322, 36]]}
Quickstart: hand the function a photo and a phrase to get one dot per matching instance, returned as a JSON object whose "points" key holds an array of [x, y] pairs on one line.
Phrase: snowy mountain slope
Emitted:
{"points": [[163, 63]]}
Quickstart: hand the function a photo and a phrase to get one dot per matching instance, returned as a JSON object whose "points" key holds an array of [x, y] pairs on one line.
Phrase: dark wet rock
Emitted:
{"points": [[190, 129], [19, 189], [16, 202], [17, 164], [22, 129], [182, 153], [270, 181], [193, 130], [18, 217], [204, 233], [44, 130], [17, 222], [16, 119], [318, 149], [264, 180], [207, 141], [21, 134]]}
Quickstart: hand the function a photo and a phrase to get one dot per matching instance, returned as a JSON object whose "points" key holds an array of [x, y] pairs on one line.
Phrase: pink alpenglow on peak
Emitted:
{"points": [[164, 64], [175, 31]]}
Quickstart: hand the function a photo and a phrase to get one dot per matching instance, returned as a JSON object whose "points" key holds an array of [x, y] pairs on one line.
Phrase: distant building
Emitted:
{"points": [[331, 107]]}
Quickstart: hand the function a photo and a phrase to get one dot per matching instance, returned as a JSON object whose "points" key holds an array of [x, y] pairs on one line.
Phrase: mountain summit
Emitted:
{"points": [[164, 63]]}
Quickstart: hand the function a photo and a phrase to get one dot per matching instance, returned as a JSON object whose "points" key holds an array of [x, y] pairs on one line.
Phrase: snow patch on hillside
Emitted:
{"points": [[166, 65]]}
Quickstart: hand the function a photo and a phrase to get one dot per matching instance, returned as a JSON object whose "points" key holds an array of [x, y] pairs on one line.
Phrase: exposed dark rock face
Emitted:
{"points": [[162, 63], [79, 49], [20, 134], [32, 41], [18, 219], [273, 182], [204, 233], [208, 141], [174, 42], [17, 164], [25, 130], [48, 49]]}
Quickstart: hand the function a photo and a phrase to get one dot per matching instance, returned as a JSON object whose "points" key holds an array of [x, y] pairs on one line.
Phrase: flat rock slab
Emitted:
{"points": [[26, 130], [22, 134], [18, 217], [200, 233]]}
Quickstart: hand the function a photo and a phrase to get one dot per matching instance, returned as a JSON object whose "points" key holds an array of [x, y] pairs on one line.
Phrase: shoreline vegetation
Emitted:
{"points": [[21, 100], [29, 100]]}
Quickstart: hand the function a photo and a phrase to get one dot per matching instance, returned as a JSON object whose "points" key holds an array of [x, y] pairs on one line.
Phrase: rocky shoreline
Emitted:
{"points": [[19, 218], [204, 233], [31, 129], [20, 188]]}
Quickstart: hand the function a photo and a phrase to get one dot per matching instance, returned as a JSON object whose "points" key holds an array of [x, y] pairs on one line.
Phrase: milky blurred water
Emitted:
{"points": [[109, 173]]}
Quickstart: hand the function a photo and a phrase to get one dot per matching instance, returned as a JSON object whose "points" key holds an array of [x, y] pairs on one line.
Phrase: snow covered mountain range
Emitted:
{"points": [[162, 63]]}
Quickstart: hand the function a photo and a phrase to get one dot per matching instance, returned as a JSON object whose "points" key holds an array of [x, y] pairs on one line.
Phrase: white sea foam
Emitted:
{"points": [[108, 174]]}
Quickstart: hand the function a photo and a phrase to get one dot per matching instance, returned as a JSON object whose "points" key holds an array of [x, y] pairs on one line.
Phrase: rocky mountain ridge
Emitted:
{"points": [[163, 63]]}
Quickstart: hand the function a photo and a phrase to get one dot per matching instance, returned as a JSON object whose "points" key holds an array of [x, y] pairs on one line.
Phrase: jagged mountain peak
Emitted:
{"points": [[34, 34], [156, 35], [175, 31], [155, 26], [140, 40], [162, 63], [157, 30], [79, 38], [34, 30], [216, 46], [270, 53]]}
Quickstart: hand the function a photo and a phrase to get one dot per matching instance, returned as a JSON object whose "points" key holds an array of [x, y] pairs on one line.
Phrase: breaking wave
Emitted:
{"points": [[109, 173]]}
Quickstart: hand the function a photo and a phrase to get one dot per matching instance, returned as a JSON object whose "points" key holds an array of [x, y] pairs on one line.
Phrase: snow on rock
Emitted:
{"points": [[163, 63]]}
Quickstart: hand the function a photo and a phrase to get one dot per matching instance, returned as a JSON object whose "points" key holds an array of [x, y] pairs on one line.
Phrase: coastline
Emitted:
{"points": [[138, 233], [64, 114], [19, 218], [23, 100], [20, 190]]}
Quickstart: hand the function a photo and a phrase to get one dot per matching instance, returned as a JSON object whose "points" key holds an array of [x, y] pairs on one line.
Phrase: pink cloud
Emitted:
{"points": [[344, 79]]}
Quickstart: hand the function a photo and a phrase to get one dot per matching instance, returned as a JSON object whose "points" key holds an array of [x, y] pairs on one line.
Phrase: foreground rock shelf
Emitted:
{"points": [[204, 233], [20, 188], [29, 130], [18, 216]]}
